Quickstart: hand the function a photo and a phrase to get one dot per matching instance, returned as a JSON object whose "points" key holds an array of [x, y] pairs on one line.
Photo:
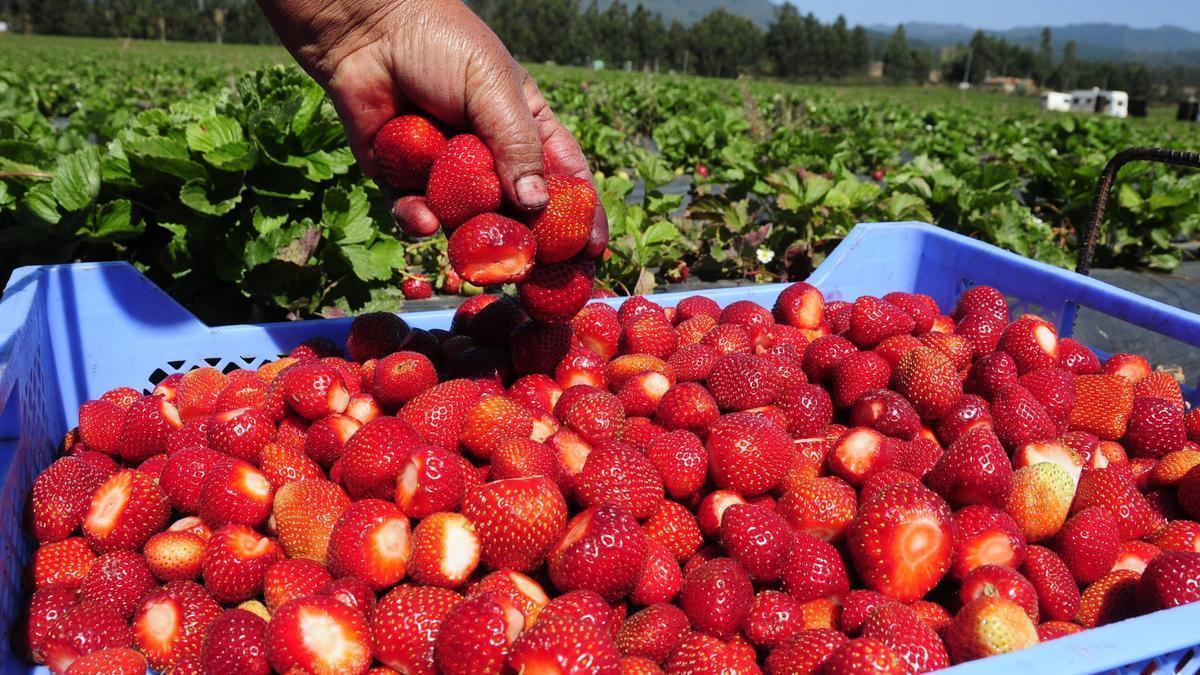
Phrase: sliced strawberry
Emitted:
{"points": [[902, 542], [82, 630], [236, 561], [235, 492], [171, 623], [125, 511], [318, 635]]}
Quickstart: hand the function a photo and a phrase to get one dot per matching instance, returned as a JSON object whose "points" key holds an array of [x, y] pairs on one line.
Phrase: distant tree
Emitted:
{"points": [[860, 49], [649, 36], [1067, 70], [1045, 57], [838, 62], [726, 45], [785, 41], [897, 57]]}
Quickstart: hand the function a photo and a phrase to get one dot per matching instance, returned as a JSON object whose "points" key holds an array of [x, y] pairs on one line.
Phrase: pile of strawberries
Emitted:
{"points": [[547, 254], [822, 487]]}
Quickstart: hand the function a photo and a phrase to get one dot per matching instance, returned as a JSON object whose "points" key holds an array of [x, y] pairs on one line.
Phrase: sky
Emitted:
{"points": [[998, 15]]}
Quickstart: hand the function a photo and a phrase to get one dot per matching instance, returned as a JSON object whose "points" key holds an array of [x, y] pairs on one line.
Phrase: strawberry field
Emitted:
{"points": [[223, 174]]}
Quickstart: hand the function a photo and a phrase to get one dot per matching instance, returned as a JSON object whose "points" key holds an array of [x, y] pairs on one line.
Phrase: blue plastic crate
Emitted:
{"points": [[69, 333]]}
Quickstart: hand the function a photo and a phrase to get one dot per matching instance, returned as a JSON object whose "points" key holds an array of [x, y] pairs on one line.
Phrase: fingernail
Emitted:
{"points": [[531, 192]]}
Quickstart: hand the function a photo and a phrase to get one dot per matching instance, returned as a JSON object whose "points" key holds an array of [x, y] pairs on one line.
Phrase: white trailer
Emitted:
{"points": [[1057, 101], [1100, 101]]}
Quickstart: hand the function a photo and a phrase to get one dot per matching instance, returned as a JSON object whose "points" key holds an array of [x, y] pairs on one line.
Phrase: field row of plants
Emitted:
{"points": [[225, 177]]}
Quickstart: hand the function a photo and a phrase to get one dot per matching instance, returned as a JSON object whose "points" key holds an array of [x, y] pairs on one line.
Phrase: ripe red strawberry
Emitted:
{"points": [[857, 374], [1052, 630], [595, 415], [525, 458], [314, 348], [304, 514], [806, 652], [1089, 542], [1058, 596], [371, 540], [314, 389], [597, 329], [475, 635], [537, 392], [148, 423], [1160, 384], [990, 374], [758, 539], [114, 660], [235, 643], [987, 626], [674, 526], [640, 432], [125, 511], [687, 406], [517, 520], [581, 367], [167, 387], [773, 618], [858, 453], [406, 622], [1132, 367], [883, 410], [903, 630], [437, 415], [463, 182], [374, 456], [717, 596], [525, 593], [651, 334], [491, 421], [284, 464], [196, 395], [445, 550], [922, 308], [916, 457], [375, 335], [1113, 490], [563, 227], [864, 655], [430, 480], [235, 492], [350, 591], [61, 496], [692, 331], [43, 611], [1156, 427], [660, 577], [183, 476], [617, 474], [1113, 598], [1001, 581], [1135, 555], [901, 542], [171, 623], [491, 249], [749, 315], [601, 550], [100, 425], [808, 408], [823, 355], [728, 339], [821, 506], [1077, 358], [62, 563], [293, 578], [1032, 342], [554, 293], [236, 561], [873, 319], [1018, 417], [1170, 580], [653, 633], [813, 569], [561, 644], [586, 607], [928, 380], [118, 580], [984, 535], [800, 305], [175, 555], [967, 413], [326, 439], [1103, 405], [404, 151], [82, 630], [974, 470], [400, 376], [318, 635], [982, 298], [747, 453], [1177, 535]]}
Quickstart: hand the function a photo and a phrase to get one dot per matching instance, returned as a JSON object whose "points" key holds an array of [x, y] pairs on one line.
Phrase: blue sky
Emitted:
{"points": [[1010, 13]]}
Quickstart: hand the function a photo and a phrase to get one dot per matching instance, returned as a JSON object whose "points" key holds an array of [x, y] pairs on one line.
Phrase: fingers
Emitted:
{"points": [[364, 95], [499, 113], [413, 216]]}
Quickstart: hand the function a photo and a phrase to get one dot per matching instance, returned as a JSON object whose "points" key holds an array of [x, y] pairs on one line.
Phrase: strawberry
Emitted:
{"points": [[475, 635], [1040, 499], [807, 652], [1089, 543], [235, 643], [716, 597], [967, 413], [595, 415], [1052, 630], [1135, 555], [813, 569], [314, 348], [100, 424], [821, 506], [326, 439], [597, 329], [653, 633], [314, 389], [41, 614], [197, 393], [491, 249], [293, 578], [125, 511], [660, 577], [553, 293], [1112, 489], [687, 406], [111, 661], [773, 618], [167, 387], [404, 151], [982, 299], [1177, 535], [823, 355], [1076, 358], [1112, 598], [304, 514], [864, 655], [171, 623], [928, 380], [1188, 493], [749, 315], [1159, 384], [747, 453], [1156, 427], [524, 458], [882, 410], [674, 526], [728, 339], [1058, 596], [400, 376], [175, 556], [640, 432], [105, 463], [405, 623], [1019, 418], [858, 453], [901, 542], [430, 480], [118, 580], [1103, 405], [282, 465], [445, 550], [649, 334], [987, 626], [235, 492], [235, 562], [148, 423], [1032, 342], [585, 607], [564, 645], [525, 593], [808, 409], [537, 392], [517, 520], [916, 457], [184, 475], [581, 367], [537, 349], [318, 635], [692, 331], [491, 421], [1001, 581], [873, 319], [857, 606], [712, 508], [922, 308], [374, 456], [375, 335], [63, 563], [122, 396], [1132, 367], [1170, 580], [82, 630], [416, 287], [903, 631], [371, 540], [622, 476], [758, 539], [563, 227], [984, 535], [61, 496], [974, 470], [601, 550], [462, 182], [641, 394], [437, 415], [857, 374]]}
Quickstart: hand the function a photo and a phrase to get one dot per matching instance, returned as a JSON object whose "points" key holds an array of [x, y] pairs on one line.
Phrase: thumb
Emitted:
{"points": [[499, 113]]}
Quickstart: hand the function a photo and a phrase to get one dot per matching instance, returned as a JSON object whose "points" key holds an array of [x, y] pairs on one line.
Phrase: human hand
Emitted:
{"points": [[384, 58]]}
